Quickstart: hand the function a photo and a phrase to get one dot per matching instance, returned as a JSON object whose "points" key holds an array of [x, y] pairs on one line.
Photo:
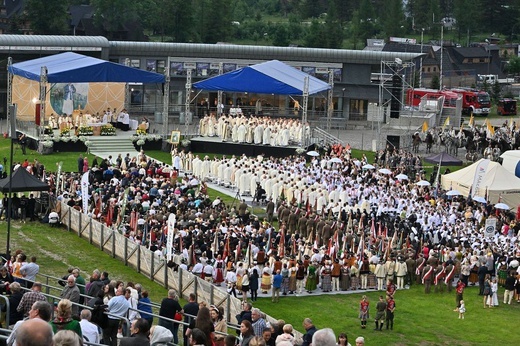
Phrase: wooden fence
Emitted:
{"points": [[148, 263]]}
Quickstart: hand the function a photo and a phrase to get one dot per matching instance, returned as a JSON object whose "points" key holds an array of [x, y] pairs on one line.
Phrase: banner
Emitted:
{"points": [[480, 172], [169, 239], [62, 98], [58, 179], [490, 229], [84, 192]]}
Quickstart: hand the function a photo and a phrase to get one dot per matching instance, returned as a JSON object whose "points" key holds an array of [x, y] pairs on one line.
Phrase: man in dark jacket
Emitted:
{"points": [[311, 329], [139, 330]]}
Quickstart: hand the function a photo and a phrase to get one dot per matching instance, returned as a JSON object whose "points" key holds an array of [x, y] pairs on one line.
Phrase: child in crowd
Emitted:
{"points": [[462, 309]]}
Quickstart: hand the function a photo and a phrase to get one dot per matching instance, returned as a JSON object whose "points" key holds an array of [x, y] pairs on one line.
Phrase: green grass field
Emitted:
{"points": [[419, 319]]}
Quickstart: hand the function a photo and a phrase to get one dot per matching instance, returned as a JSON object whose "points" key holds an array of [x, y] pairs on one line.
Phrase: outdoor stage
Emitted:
{"points": [[215, 145]]}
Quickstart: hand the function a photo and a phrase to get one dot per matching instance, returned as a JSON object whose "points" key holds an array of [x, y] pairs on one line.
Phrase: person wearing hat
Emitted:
{"points": [[335, 274], [380, 273], [300, 276], [400, 272]]}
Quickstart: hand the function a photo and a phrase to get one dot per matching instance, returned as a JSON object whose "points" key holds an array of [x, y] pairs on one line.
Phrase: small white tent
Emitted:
{"points": [[498, 182], [511, 161]]}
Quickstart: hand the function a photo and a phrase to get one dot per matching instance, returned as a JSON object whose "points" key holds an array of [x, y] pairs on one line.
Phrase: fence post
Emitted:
{"points": [[228, 307], [166, 276], [90, 233], [113, 244], [152, 265], [125, 253], [139, 258], [211, 295], [102, 237], [195, 285], [180, 281], [80, 224], [70, 219]]}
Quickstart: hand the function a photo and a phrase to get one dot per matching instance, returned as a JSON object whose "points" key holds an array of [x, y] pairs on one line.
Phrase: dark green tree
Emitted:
{"points": [[513, 67], [48, 17], [111, 15], [435, 82], [281, 36], [212, 20], [393, 20], [465, 14], [315, 36]]}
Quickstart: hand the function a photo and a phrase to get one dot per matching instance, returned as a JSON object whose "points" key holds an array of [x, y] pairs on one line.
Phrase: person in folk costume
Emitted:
{"points": [[427, 275], [218, 276], [312, 282], [336, 274], [265, 284], [380, 274], [420, 263], [326, 275], [345, 275], [292, 270], [401, 271], [410, 269], [450, 271], [301, 271], [364, 311]]}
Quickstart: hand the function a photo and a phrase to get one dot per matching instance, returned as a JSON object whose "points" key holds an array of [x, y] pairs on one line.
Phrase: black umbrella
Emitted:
{"points": [[444, 159]]}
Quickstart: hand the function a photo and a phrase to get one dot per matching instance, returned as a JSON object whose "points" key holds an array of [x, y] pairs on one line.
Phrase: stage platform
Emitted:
{"points": [[215, 145]]}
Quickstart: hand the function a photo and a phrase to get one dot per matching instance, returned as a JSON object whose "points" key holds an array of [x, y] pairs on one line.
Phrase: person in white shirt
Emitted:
{"points": [[89, 330]]}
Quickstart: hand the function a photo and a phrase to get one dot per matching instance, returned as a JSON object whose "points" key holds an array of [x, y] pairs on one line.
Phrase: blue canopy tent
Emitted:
{"points": [[271, 77], [73, 67]]}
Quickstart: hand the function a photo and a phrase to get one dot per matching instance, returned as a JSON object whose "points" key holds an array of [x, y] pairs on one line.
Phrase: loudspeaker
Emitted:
{"points": [[395, 102], [394, 141]]}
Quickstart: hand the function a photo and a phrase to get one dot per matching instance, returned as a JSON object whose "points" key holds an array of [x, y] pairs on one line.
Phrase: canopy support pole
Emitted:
{"points": [[304, 140], [166, 98], [219, 94], [127, 88], [43, 94], [9, 95], [330, 104], [187, 103]]}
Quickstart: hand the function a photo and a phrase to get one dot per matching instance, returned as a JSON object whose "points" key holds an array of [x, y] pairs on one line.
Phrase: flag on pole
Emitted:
{"points": [[446, 123], [490, 129], [424, 127], [471, 121]]}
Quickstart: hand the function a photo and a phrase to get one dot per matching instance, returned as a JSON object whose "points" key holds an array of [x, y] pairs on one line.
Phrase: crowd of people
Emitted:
{"points": [[343, 224], [253, 130]]}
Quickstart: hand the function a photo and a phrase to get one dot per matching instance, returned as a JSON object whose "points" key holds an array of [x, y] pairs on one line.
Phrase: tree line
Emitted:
{"points": [[311, 23]]}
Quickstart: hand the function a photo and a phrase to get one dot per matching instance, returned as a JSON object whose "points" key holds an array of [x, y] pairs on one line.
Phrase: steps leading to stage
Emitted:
{"points": [[104, 146]]}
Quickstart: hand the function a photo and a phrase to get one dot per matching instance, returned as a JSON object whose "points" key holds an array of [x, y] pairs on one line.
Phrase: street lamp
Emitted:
{"points": [[489, 55]]}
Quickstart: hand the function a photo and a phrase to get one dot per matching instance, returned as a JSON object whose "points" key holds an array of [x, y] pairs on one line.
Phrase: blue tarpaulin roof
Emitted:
{"points": [[272, 77], [72, 67]]}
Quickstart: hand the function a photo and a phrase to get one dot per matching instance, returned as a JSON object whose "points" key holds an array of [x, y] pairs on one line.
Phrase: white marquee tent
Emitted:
{"points": [[511, 161], [496, 180]]}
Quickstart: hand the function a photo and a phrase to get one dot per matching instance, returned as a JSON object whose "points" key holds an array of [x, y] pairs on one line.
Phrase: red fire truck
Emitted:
{"points": [[415, 96], [475, 102]]}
